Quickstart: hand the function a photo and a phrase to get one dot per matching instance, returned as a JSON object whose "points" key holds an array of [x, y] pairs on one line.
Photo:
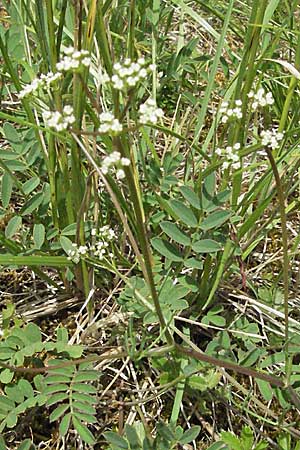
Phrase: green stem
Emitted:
{"points": [[131, 36], [291, 89], [285, 262], [247, 73], [142, 236]]}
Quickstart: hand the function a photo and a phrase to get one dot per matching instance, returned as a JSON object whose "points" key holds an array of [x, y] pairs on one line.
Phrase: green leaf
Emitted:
{"points": [[190, 435], [231, 440], [5, 377], [82, 397], [55, 388], [83, 407], [6, 404], [69, 230], [251, 357], [17, 166], [265, 389], [10, 133], [208, 190], [166, 249], [38, 235], [64, 424], [7, 315], [193, 263], [32, 204], [26, 388], [55, 398], [116, 440], [30, 185], [206, 246], [184, 213], [58, 412], [51, 261], [87, 388], [83, 431], [11, 419], [66, 243], [247, 437], [33, 333], [13, 226], [275, 358], [86, 375], [132, 437], [175, 233], [190, 196], [58, 378], [85, 417], [14, 393], [215, 219], [6, 189]]}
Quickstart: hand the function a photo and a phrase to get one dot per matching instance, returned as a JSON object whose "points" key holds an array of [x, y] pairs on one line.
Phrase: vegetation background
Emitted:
{"points": [[149, 166]]}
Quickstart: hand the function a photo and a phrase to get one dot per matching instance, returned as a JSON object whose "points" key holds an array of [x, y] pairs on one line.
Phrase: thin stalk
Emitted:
{"points": [[102, 38], [59, 34], [291, 90], [131, 35], [211, 79], [51, 31], [285, 261], [142, 237], [247, 73]]}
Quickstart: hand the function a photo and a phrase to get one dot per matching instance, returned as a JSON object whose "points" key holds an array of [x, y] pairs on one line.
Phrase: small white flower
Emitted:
{"points": [[108, 123], [125, 162], [234, 112], [149, 113], [129, 73], [73, 59], [120, 174], [260, 99], [59, 121], [271, 138], [232, 159]]}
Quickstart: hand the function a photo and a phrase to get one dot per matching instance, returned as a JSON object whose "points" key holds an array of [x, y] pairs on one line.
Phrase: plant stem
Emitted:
{"points": [[285, 262]]}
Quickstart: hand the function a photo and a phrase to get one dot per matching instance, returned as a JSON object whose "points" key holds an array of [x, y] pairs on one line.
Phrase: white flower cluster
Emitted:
{"points": [[232, 158], [59, 121], [271, 138], [77, 252], [105, 236], [73, 59], [260, 98], [115, 159], [231, 113], [99, 248], [149, 113], [41, 82], [129, 73], [108, 123]]}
